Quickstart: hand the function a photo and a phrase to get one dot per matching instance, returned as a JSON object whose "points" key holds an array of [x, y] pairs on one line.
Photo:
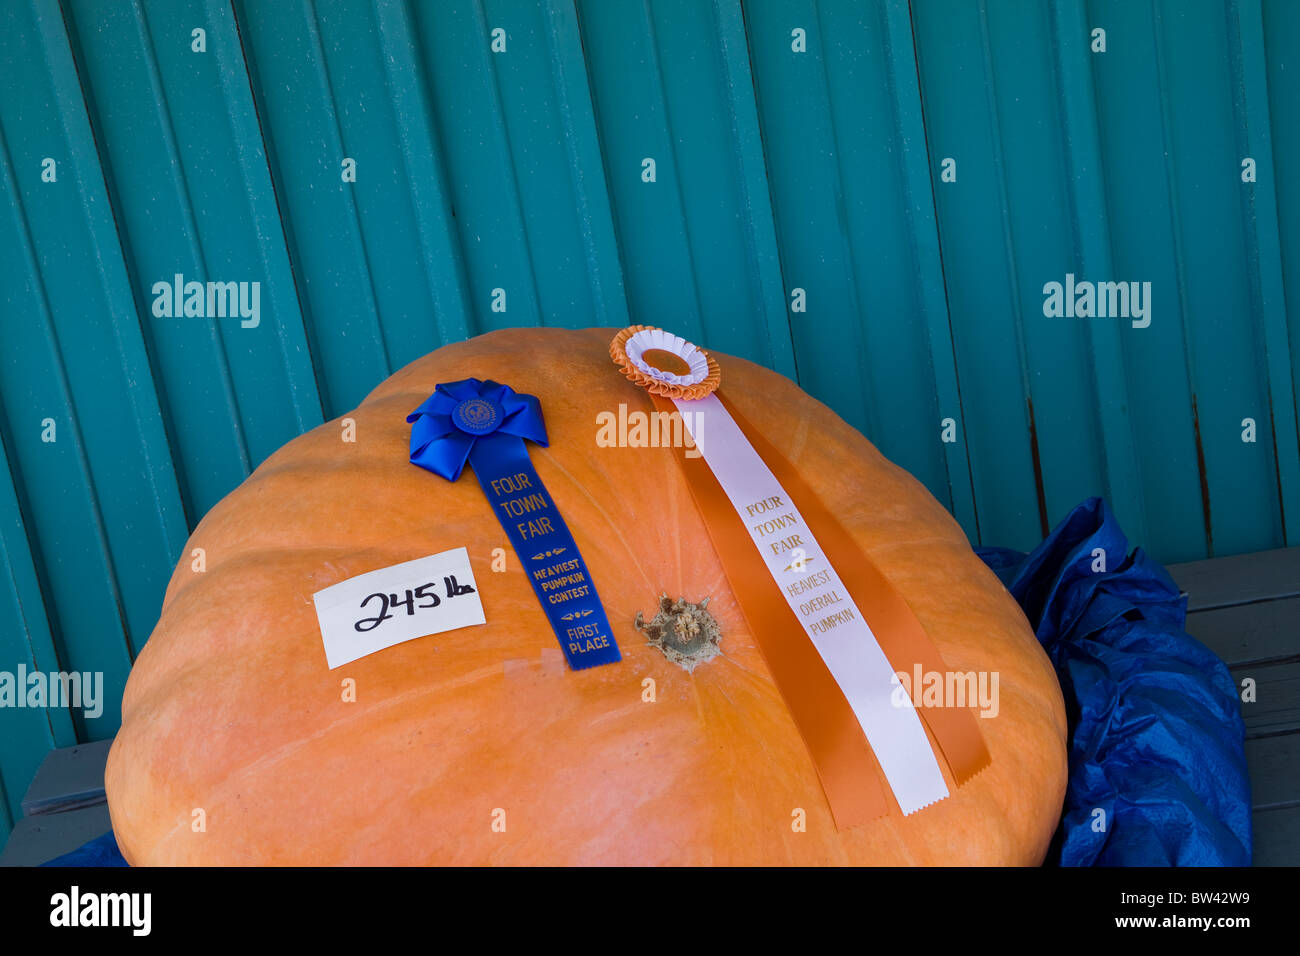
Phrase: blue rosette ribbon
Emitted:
{"points": [[485, 424]]}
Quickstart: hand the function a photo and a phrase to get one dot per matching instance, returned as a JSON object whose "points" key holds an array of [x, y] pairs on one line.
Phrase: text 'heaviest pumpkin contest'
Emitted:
{"points": [[587, 597]]}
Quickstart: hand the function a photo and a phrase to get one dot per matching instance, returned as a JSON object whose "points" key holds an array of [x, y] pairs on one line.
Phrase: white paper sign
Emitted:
{"points": [[381, 608]]}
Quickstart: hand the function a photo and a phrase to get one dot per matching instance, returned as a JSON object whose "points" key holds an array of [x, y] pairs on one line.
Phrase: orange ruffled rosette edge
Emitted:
{"points": [[618, 352]]}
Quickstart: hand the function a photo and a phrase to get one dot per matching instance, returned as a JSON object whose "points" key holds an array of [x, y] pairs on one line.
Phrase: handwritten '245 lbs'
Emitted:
{"points": [[388, 601]]}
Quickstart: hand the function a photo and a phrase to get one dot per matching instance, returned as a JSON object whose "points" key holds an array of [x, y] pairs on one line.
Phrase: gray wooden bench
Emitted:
{"points": [[64, 806], [1246, 609]]}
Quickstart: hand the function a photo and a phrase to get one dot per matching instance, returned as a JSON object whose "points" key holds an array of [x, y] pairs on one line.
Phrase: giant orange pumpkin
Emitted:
{"points": [[479, 745]]}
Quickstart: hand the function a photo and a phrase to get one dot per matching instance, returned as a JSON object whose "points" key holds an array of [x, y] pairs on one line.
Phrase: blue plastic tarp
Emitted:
{"points": [[101, 851], [1156, 738]]}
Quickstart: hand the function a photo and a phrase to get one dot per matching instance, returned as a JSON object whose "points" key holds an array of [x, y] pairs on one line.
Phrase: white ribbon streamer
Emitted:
{"points": [[821, 603]]}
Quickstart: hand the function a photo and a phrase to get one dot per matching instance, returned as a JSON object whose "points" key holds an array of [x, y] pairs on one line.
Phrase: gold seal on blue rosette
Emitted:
{"points": [[477, 416]]}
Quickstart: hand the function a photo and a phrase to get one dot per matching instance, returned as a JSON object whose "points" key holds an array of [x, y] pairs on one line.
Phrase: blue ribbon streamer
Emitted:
{"points": [[485, 424]]}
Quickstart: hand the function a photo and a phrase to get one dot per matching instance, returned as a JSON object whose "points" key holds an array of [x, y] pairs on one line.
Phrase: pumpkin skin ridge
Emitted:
{"points": [[269, 760], [679, 555]]}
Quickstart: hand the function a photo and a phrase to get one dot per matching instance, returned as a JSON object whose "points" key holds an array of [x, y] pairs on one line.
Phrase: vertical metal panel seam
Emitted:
{"points": [[589, 85], [320, 387], [181, 185], [37, 627], [512, 185], [450, 297], [60, 378], [928, 256], [608, 295], [349, 200], [15, 545], [1175, 236], [12, 466], [303, 386], [1008, 240], [55, 38], [870, 409], [175, 462], [1082, 149], [155, 446], [174, 525], [746, 131], [674, 165], [1264, 261]]}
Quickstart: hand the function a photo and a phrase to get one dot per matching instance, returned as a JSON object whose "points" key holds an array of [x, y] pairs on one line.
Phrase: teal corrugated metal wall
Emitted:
{"points": [[869, 196]]}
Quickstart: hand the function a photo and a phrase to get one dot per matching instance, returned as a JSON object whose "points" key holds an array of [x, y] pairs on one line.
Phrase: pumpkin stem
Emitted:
{"points": [[687, 633]]}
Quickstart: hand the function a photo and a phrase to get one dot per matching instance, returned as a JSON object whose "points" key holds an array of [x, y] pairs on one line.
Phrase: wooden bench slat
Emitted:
{"points": [[39, 839], [1249, 633], [1276, 707], [68, 779], [1277, 837], [1274, 764], [1239, 579]]}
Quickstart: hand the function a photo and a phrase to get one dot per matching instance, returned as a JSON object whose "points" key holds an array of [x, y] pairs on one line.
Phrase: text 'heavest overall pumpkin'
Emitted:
{"points": [[701, 730]]}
